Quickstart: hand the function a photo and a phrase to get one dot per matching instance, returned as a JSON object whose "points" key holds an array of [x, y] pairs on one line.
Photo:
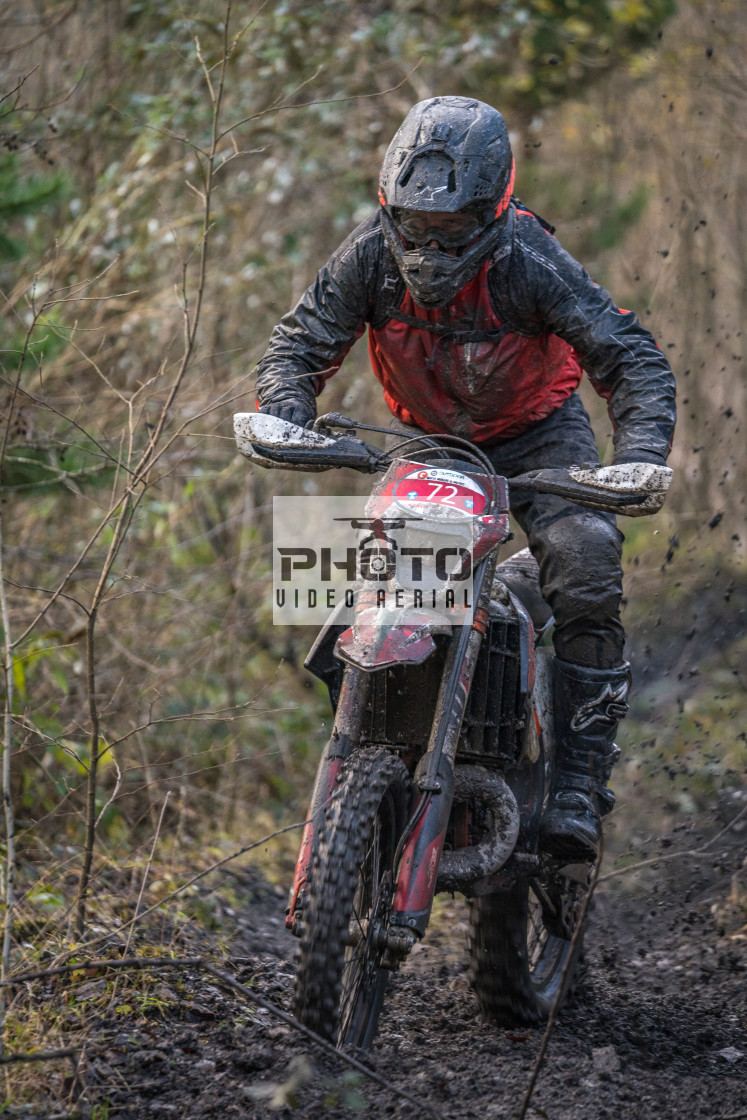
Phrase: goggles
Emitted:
{"points": [[451, 230]]}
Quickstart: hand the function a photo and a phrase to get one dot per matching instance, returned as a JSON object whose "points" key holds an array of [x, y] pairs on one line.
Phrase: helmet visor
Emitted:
{"points": [[452, 230]]}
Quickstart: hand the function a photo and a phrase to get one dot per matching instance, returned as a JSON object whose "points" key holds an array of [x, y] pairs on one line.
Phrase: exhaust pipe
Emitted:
{"points": [[458, 870]]}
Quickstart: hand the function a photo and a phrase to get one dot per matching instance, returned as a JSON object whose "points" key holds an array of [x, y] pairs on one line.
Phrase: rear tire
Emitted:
{"points": [[520, 945], [340, 982]]}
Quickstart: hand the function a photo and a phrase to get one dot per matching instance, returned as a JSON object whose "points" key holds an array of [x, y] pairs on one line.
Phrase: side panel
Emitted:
{"points": [[321, 660]]}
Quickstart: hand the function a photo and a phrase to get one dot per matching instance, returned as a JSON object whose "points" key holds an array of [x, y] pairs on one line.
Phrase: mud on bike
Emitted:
{"points": [[439, 763]]}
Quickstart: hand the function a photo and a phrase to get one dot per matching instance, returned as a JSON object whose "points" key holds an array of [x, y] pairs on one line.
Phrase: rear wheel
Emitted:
{"points": [[341, 978], [522, 956]]}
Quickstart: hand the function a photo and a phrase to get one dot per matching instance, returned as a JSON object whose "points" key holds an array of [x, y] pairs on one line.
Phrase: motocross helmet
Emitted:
{"points": [[447, 177]]}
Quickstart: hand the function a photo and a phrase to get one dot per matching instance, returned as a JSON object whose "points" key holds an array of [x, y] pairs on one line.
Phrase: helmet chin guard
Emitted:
{"points": [[432, 276]]}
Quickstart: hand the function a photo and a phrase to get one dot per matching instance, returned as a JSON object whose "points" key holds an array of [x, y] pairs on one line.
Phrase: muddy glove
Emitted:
{"points": [[295, 410], [638, 455]]}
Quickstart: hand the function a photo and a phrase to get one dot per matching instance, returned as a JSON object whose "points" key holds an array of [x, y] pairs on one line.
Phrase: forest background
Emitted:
{"points": [[171, 178]]}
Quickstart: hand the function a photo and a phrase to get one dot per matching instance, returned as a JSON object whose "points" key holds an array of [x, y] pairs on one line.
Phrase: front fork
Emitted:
{"points": [[420, 848], [345, 735], [423, 839]]}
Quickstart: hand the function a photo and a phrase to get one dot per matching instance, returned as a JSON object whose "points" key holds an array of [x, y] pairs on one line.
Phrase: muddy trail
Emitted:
{"points": [[657, 1026]]}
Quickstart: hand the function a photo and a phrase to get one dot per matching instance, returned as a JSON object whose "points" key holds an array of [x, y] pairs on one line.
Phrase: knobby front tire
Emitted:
{"points": [[340, 981]]}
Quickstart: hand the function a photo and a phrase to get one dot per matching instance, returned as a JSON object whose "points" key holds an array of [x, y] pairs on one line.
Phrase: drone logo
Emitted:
{"points": [[377, 552]]}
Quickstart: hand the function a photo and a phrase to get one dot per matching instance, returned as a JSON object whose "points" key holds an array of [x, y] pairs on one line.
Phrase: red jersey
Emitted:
{"points": [[463, 372]]}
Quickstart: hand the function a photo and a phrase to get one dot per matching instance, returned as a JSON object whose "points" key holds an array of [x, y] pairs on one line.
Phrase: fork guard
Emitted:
{"points": [[460, 869]]}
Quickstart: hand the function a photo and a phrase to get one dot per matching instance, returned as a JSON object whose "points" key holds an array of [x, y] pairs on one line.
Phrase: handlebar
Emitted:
{"points": [[634, 489], [271, 442]]}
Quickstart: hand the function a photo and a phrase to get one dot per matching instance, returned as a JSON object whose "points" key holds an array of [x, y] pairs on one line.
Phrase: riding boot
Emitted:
{"points": [[588, 705]]}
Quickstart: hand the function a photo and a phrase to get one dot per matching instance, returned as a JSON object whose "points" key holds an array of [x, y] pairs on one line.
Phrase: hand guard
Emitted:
{"points": [[650, 479]]}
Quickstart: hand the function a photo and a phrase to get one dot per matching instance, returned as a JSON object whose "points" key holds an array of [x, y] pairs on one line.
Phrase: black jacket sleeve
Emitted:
{"points": [[309, 343], [549, 290]]}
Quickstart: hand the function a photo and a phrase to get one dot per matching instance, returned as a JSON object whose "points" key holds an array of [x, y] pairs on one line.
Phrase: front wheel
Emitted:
{"points": [[523, 955], [341, 978]]}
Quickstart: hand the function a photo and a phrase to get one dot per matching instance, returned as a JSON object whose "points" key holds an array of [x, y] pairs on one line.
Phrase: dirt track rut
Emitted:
{"points": [[657, 1027]]}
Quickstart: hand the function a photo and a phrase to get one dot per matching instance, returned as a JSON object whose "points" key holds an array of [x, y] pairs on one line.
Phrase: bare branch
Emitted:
{"points": [[321, 101], [140, 964], [7, 745], [41, 403], [39, 1056], [113, 795], [61, 16], [200, 875], [19, 84]]}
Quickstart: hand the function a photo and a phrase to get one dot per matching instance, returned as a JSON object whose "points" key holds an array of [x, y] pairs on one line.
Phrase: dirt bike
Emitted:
{"points": [[440, 759]]}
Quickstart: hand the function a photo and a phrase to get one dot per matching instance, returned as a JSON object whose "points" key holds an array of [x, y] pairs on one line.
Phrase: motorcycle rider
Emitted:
{"points": [[479, 325]]}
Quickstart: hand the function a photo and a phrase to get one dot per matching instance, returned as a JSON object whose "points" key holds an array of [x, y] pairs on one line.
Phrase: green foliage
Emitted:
{"points": [[43, 340], [23, 195], [346, 1092], [46, 899], [41, 469], [562, 42], [615, 217], [37, 652]]}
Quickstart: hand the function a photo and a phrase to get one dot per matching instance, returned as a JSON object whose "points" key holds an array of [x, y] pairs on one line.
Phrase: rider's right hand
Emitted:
{"points": [[295, 411]]}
